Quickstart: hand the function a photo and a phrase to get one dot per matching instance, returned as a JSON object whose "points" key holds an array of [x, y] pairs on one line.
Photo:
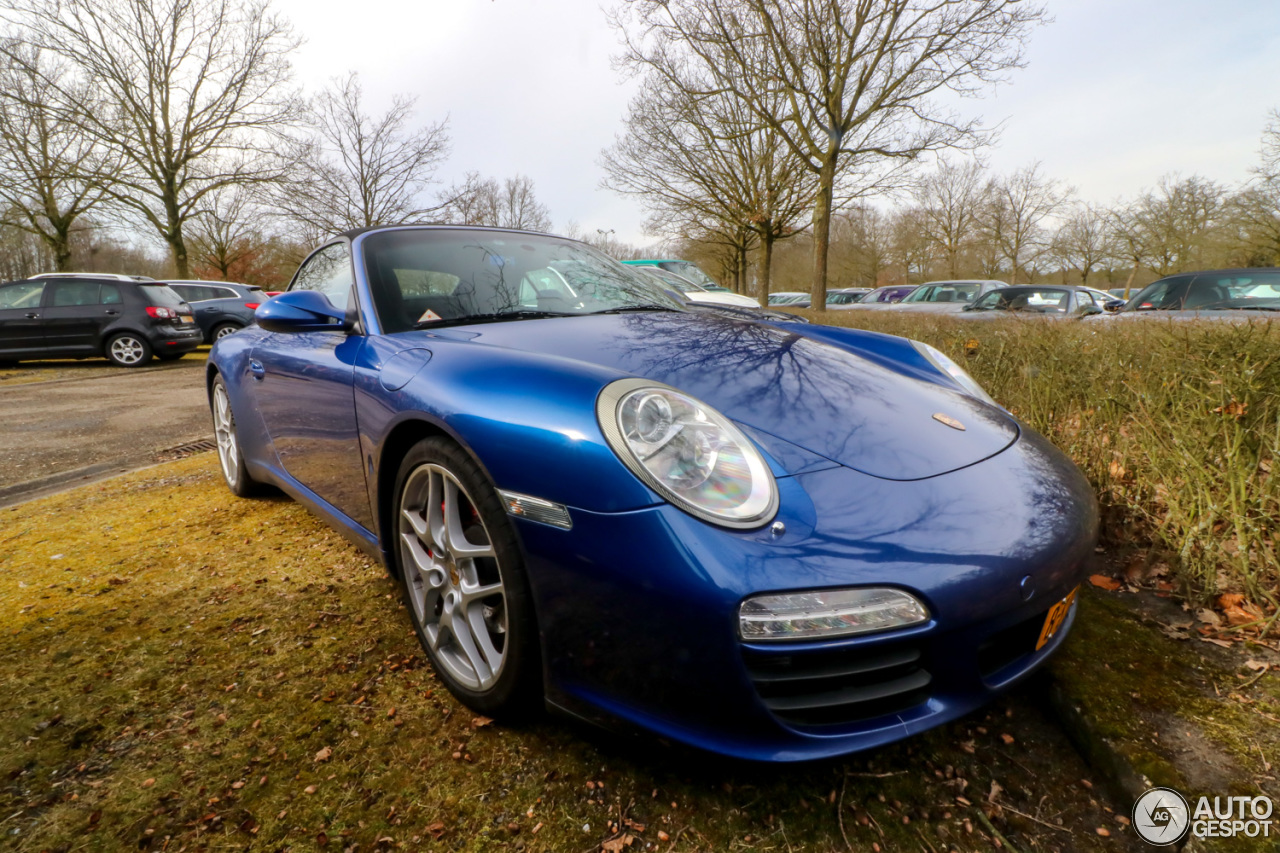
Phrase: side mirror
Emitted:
{"points": [[302, 311], [1090, 311]]}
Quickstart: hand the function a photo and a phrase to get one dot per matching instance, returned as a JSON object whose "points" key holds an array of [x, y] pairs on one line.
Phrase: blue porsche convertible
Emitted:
{"points": [[774, 540]]}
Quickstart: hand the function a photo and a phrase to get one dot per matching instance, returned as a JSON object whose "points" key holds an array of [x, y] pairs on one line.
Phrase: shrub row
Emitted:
{"points": [[1177, 425]]}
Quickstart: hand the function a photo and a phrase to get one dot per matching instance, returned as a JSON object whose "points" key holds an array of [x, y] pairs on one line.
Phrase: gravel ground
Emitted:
{"points": [[82, 421]]}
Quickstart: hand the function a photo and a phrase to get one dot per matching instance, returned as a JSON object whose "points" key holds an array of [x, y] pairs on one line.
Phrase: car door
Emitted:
{"points": [[304, 386], [76, 313], [21, 334]]}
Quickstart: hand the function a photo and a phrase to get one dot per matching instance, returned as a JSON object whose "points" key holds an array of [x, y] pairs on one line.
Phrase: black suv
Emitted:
{"points": [[82, 317]]}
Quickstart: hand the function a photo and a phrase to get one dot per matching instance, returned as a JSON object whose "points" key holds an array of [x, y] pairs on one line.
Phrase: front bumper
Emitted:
{"points": [[638, 610]]}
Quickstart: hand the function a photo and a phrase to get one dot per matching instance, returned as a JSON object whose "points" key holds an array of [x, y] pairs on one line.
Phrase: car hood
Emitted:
{"points": [[714, 298], [818, 396]]}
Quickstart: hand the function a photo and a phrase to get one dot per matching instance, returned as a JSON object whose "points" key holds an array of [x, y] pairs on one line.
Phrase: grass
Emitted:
{"points": [[188, 671], [1177, 425]]}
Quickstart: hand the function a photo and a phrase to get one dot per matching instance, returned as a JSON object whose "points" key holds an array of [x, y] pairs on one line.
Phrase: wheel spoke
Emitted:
{"points": [[458, 544], [475, 592], [465, 640], [480, 630]]}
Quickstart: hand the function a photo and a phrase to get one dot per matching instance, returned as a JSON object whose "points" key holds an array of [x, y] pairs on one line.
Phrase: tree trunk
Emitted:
{"points": [[822, 233], [741, 277], [182, 269], [766, 265]]}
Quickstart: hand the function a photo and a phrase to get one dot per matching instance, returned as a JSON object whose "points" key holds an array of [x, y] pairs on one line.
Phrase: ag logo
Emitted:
{"points": [[1161, 816]]}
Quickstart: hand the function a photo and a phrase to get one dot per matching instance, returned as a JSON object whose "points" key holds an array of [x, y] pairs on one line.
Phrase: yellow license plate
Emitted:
{"points": [[1054, 618], [186, 319]]}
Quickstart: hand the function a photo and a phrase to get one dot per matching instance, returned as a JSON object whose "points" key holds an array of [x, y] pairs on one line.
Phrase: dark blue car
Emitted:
{"points": [[772, 540], [220, 307]]}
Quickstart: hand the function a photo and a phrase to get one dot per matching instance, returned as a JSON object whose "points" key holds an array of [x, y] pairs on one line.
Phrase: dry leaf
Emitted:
{"points": [[1007, 738], [1209, 617], [480, 722], [436, 830], [310, 789], [1256, 665], [148, 783], [1223, 643], [324, 754], [1103, 831], [996, 790], [1104, 582]]}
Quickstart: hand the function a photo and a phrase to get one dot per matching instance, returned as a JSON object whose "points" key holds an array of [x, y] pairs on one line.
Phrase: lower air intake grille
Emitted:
{"points": [[1003, 648], [838, 687]]}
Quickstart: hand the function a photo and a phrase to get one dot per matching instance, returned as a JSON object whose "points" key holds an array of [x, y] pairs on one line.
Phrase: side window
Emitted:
{"points": [[329, 272], [110, 295], [73, 293], [22, 295]]}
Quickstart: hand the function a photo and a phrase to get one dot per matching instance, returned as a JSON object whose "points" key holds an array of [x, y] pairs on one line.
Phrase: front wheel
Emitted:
{"points": [[464, 582], [229, 455], [128, 350]]}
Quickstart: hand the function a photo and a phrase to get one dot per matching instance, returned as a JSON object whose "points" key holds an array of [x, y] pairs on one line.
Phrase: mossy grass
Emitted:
{"points": [[1177, 424], [185, 670]]}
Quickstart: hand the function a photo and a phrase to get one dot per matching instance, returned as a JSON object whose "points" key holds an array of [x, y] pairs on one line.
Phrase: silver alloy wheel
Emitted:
{"points": [[224, 430], [127, 350], [223, 331], [455, 587]]}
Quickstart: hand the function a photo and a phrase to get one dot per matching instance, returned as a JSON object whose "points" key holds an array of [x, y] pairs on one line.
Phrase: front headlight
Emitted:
{"points": [[828, 613], [687, 452], [940, 360]]}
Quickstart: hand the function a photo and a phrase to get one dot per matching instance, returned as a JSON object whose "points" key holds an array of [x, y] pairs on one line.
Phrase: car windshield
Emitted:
{"points": [[689, 270], [1211, 292], [842, 298], [423, 278], [1035, 300], [943, 292], [681, 284]]}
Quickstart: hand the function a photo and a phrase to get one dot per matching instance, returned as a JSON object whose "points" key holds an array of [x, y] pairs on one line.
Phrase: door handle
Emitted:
{"points": [[256, 368], [33, 316], [112, 313]]}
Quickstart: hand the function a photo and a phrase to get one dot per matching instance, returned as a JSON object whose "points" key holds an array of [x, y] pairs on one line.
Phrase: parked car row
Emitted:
{"points": [[126, 319]]}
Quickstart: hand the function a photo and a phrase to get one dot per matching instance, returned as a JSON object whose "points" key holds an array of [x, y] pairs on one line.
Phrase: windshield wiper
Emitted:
{"points": [[496, 316], [627, 308]]}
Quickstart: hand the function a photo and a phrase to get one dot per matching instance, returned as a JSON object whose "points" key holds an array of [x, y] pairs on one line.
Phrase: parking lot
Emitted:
{"points": [[73, 421]]}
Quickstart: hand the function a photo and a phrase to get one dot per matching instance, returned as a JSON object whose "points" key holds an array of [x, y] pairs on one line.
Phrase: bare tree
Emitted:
{"points": [[861, 246], [950, 203], [225, 234], [184, 92], [909, 246], [1168, 228], [1085, 240], [858, 77], [51, 171], [512, 203], [356, 170], [1017, 206], [691, 157]]}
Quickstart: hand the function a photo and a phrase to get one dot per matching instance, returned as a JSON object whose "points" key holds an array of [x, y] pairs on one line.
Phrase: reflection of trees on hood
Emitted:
{"points": [[762, 375]]}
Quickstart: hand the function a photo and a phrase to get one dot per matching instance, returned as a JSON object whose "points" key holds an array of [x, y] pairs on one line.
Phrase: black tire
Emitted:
{"points": [[127, 350], [230, 456], [222, 330], [514, 691]]}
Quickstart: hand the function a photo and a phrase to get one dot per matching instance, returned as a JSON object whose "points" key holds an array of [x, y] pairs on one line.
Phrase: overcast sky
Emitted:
{"points": [[1115, 94]]}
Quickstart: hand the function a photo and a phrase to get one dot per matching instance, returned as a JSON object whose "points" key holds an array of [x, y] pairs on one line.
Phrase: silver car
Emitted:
{"points": [[947, 297]]}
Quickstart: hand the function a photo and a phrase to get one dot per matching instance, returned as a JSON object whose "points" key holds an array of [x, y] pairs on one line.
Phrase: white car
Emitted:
{"points": [[695, 293]]}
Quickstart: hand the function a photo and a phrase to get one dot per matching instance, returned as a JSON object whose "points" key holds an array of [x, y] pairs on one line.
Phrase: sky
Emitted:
{"points": [[1115, 93]]}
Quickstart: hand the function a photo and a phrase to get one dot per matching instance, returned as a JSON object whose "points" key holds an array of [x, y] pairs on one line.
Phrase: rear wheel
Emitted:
{"points": [[229, 455], [221, 331], [128, 350], [464, 583]]}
